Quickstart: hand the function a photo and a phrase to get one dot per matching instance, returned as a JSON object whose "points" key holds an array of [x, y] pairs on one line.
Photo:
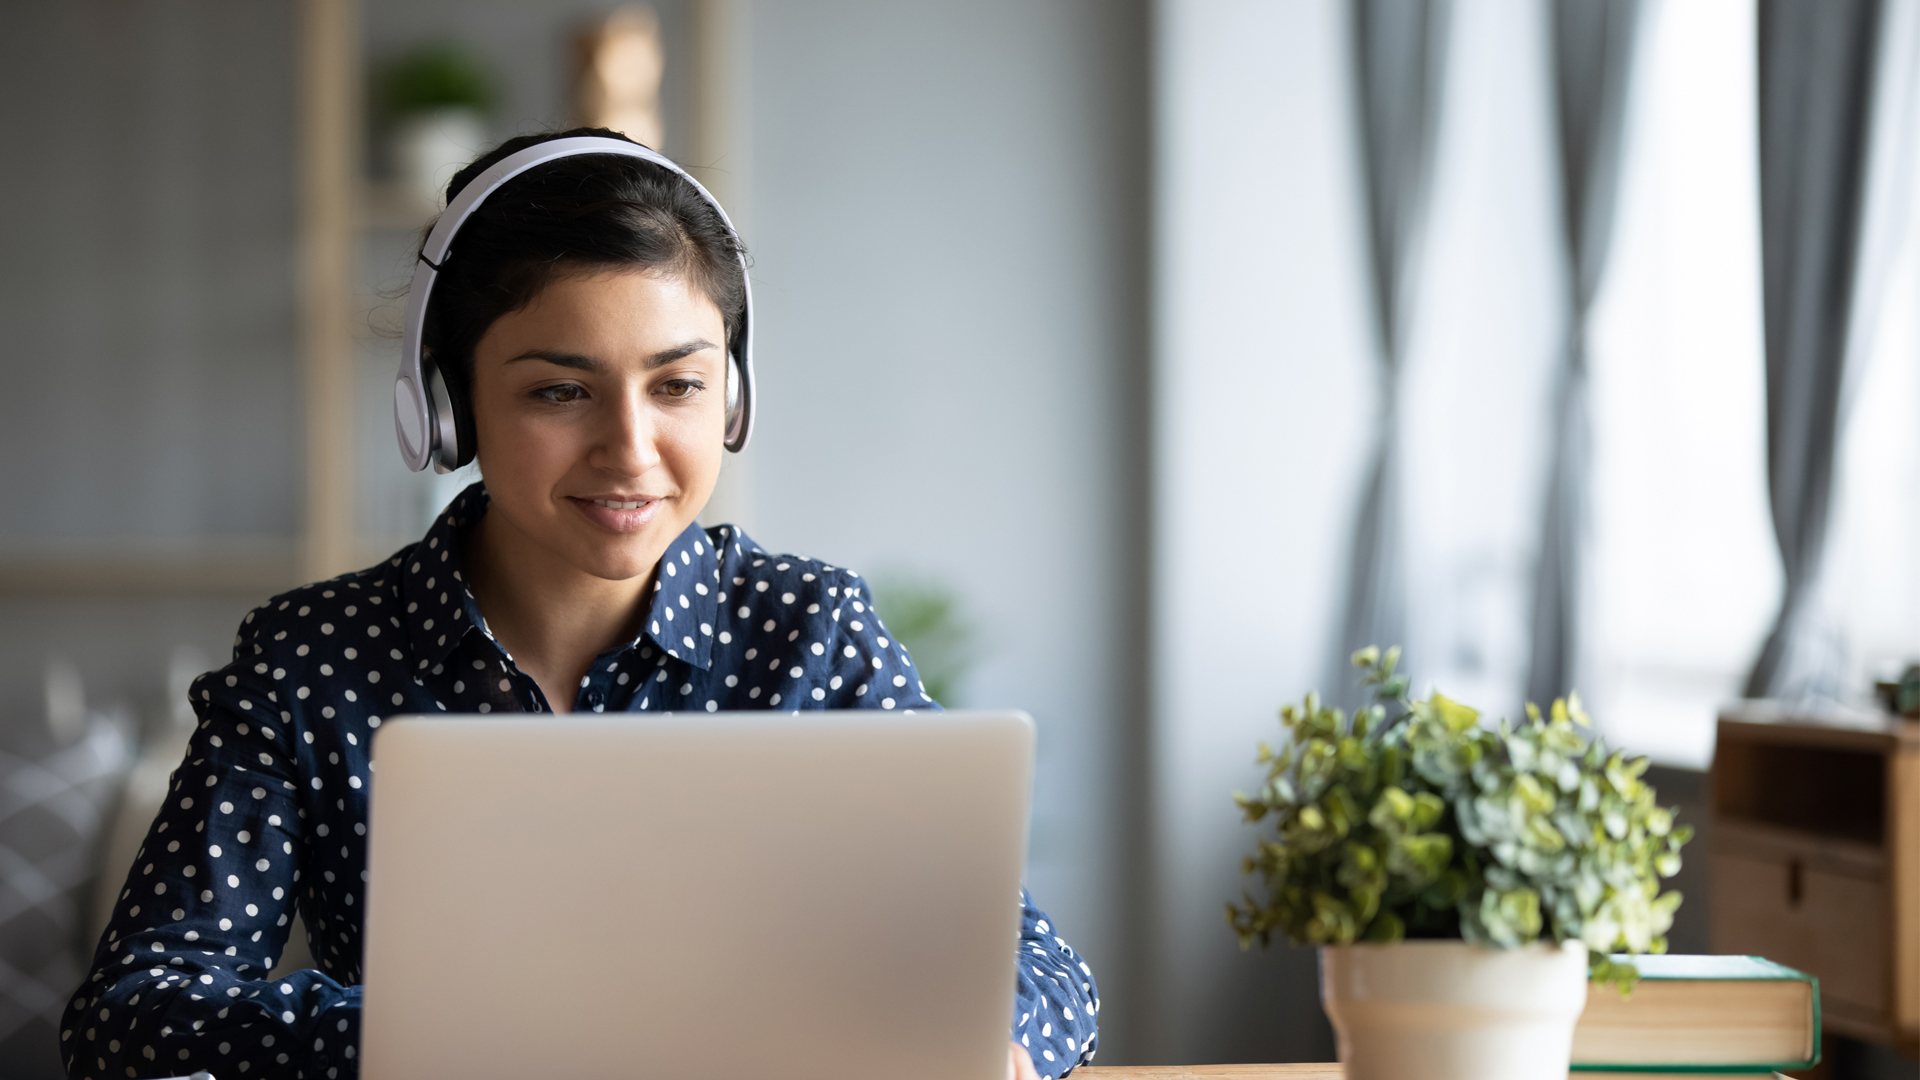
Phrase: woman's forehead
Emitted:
{"points": [[631, 314]]}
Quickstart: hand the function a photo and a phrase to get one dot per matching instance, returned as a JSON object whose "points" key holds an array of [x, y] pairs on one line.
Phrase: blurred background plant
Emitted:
{"points": [[925, 616], [433, 106], [442, 75], [1414, 819]]}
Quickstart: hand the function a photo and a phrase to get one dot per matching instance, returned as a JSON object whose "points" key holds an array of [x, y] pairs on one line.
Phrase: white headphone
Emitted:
{"points": [[423, 414]]}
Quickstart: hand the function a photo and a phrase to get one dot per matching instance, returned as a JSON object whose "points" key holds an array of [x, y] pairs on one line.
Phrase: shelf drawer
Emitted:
{"points": [[1828, 923]]}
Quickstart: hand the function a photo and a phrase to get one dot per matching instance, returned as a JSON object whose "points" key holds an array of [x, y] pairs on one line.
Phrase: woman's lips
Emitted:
{"points": [[618, 515]]}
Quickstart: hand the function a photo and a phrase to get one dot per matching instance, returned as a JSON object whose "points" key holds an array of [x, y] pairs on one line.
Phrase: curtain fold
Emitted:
{"points": [[1816, 73], [1398, 64], [1593, 44]]}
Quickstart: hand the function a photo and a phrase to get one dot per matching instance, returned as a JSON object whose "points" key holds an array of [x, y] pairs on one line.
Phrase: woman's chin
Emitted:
{"points": [[617, 562]]}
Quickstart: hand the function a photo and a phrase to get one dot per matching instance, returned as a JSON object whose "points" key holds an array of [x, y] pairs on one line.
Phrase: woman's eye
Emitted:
{"points": [[561, 394], [681, 388]]}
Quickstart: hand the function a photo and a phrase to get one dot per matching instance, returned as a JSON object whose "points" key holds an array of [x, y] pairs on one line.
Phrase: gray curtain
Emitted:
{"points": [[1398, 64], [1593, 43], [1816, 61]]}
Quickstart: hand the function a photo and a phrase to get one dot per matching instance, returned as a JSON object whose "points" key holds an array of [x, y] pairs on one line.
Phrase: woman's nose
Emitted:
{"points": [[625, 446]]}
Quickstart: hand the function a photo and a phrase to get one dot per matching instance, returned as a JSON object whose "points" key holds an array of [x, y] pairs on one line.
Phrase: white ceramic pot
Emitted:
{"points": [[429, 147], [1447, 1010]]}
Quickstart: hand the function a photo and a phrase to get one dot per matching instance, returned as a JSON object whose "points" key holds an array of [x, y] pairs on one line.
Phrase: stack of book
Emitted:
{"points": [[1727, 1016]]}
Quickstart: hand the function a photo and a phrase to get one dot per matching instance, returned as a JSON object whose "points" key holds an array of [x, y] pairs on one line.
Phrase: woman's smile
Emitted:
{"points": [[620, 515]]}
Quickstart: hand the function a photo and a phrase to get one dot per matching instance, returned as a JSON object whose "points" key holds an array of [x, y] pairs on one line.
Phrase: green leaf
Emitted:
{"points": [[1386, 928], [1574, 710], [1456, 716], [436, 76]]}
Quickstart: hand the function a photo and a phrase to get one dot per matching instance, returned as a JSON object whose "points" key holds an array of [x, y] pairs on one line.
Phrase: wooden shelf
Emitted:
{"points": [[1841, 728], [85, 568], [1816, 857], [1736, 836], [92, 568]]}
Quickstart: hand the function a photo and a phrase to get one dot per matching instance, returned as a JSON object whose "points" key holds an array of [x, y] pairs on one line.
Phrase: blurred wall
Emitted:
{"points": [[948, 217], [1262, 397]]}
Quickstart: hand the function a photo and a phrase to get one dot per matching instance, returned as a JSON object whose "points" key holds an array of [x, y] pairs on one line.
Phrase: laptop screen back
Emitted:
{"points": [[756, 894]]}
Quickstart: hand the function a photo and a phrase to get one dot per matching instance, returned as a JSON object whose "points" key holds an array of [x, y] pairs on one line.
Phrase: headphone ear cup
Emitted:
{"points": [[467, 445], [450, 419]]}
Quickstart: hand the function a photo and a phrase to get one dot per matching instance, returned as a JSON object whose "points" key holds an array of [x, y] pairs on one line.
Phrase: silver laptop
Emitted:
{"points": [[730, 895]]}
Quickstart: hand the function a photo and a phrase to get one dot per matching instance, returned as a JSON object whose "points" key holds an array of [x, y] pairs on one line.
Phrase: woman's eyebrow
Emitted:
{"points": [[560, 359], [582, 362], [679, 352]]}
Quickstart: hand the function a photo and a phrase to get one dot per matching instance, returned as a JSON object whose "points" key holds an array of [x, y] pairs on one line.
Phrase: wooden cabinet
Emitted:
{"points": [[1815, 858]]}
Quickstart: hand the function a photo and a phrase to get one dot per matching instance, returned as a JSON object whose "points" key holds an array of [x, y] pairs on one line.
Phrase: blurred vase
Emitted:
{"points": [[431, 145], [1447, 1010]]}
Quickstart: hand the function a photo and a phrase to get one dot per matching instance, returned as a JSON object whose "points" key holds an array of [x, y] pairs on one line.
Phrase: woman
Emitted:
{"points": [[582, 323]]}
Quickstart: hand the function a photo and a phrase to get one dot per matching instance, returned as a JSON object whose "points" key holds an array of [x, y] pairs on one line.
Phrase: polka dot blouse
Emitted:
{"points": [[268, 811]]}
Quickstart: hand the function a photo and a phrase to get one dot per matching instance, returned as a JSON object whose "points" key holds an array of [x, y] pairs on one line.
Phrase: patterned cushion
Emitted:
{"points": [[53, 801]]}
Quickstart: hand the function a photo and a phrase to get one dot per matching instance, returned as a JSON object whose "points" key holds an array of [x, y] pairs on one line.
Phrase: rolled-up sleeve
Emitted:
{"points": [[1056, 1005]]}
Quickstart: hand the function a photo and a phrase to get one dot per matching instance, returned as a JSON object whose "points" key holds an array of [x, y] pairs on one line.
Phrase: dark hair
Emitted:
{"points": [[583, 213]]}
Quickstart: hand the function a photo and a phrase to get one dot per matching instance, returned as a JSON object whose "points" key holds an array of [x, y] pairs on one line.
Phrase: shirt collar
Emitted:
{"points": [[686, 598], [440, 609]]}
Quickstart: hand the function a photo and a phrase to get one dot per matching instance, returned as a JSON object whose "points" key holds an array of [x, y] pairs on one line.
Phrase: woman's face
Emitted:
{"points": [[599, 412]]}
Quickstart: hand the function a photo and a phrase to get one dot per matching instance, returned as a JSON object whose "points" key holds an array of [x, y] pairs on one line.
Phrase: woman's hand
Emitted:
{"points": [[1020, 1063]]}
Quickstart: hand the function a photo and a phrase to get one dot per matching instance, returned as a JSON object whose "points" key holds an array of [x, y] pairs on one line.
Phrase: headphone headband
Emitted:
{"points": [[422, 417]]}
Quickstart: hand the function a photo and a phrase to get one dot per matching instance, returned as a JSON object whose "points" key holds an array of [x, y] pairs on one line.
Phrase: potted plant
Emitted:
{"points": [[433, 102], [1463, 880]]}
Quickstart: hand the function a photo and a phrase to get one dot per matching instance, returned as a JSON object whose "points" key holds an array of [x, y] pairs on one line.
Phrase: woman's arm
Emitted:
{"points": [[179, 979]]}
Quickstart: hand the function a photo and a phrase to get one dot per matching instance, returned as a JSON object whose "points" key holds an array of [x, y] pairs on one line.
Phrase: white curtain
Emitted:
{"points": [[1593, 46], [1478, 383], [1399, 50]]}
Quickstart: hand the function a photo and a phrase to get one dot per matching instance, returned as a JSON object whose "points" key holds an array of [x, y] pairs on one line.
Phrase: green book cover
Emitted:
{"points": [[1710, 968], [1682, 968]]}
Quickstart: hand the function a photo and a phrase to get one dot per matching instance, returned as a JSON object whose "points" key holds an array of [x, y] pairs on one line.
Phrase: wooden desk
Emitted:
{"points": [[1309, 1071], [1210, 1073]]}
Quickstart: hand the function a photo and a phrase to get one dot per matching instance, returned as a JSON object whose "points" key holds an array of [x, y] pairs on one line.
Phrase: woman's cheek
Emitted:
{"points": [[533, 446], [696, 434]]}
